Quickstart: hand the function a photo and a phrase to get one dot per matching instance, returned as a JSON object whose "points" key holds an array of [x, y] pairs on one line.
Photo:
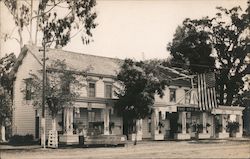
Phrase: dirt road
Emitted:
{"points": [[149, 149]]}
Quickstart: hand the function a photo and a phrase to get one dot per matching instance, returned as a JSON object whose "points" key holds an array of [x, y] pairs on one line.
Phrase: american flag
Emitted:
{"points": [[206, 91]]}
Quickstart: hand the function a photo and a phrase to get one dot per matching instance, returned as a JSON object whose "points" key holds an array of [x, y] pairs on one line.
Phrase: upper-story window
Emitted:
{"points": [[66, 87], [28, 89], [172, 95], [91, 90], [108, 91], [187, 96]]}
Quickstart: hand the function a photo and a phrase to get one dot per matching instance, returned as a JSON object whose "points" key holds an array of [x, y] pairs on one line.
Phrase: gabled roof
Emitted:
{"points": [[79, 62], [75, 61]]}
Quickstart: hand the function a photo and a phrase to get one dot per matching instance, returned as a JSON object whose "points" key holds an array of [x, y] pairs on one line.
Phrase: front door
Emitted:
{"points": [[173, 119], [37, 127]]}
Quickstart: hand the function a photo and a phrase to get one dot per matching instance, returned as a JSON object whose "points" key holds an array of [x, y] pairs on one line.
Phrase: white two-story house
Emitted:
{"points": [[173, 117]]}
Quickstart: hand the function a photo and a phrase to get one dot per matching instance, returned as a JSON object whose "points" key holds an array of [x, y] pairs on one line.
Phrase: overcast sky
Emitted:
{"points": [[133, 28]]}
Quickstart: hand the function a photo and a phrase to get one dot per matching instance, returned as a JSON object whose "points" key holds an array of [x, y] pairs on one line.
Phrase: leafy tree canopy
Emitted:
{"points": [[226, 37], [56, 19], [61, 87], [140, 81], [6, 85]]}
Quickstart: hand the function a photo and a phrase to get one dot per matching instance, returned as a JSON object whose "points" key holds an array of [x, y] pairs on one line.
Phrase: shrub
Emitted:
{"points": [[21, 139]]}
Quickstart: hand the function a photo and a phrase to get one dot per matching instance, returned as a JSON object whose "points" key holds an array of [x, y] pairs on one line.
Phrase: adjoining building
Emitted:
{"points": [[175, 116]]}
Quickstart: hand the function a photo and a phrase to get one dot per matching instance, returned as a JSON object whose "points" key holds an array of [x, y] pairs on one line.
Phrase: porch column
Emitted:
{"points": [[239, 119], [183, 122], [106, 121], [139, 126], [154, 123], [204, 122], [68, 121], [223, 122]]}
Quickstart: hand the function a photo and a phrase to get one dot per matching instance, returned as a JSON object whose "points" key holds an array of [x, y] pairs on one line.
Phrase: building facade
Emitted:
{"points": [[175, 116]]}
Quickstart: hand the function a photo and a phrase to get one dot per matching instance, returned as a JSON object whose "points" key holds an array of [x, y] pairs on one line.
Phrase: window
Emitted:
{"points": [[91, 91], [172, 95], [91, 116], [66, 87], [28, 89], [108, 91], [187, 96]]}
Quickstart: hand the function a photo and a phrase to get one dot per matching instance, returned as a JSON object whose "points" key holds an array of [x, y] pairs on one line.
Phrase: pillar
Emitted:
{"points": [[204, 122], [183, 122], [68, 121], [155, 121], [106, 121], [139, 126], [240, 132], [223, 122]]}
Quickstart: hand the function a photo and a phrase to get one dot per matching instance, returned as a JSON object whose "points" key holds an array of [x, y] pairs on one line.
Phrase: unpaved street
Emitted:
{"points": [[146, 149]]}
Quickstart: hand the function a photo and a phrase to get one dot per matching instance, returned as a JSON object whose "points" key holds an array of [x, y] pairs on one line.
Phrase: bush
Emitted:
{"points": [[21, 140]]}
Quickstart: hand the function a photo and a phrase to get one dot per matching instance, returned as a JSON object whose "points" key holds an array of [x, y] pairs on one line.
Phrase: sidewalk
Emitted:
{"points": [[5, 146]]}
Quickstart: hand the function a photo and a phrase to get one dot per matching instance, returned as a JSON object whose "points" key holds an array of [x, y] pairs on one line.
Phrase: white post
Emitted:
{"points": [[156, 117], [106, 121], [183, 122], [53, 122], [3, 133], [139, 126], [204, 122], [240, 124], [68, 121], [223, 122], [43, 135]]}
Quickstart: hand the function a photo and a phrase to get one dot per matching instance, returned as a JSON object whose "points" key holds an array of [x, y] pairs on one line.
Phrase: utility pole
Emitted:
{"points": [[43, 131], [31, 14]]}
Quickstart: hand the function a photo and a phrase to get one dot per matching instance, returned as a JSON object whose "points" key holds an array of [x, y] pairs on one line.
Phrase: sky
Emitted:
{"points": [[138, 29]]}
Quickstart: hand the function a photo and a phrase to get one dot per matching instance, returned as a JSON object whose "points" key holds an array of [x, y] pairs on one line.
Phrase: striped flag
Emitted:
{"points": [[206, 91]]}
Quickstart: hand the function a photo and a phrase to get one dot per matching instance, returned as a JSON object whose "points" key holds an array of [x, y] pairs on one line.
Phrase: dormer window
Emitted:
{"points": [[172, 95]]}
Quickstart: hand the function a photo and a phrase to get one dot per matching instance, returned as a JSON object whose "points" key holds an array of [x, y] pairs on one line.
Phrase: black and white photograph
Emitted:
{"points": [[124, 79]]}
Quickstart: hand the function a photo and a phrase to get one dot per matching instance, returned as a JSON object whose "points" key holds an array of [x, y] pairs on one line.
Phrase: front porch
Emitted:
{"points": [[89, 119], [185, 123]]}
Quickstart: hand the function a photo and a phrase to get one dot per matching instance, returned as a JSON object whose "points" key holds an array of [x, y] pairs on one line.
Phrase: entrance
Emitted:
{"points": [[37, 127], [173, 120]]}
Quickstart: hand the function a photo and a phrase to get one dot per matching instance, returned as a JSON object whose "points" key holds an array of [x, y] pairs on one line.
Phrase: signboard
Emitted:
{"points": [[187, 109]]}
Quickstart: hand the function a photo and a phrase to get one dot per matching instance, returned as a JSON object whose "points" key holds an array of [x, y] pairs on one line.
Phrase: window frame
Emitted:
{"points": [[105, 90], [28, 89], [170, 97], [187, 96], [94, 83]]}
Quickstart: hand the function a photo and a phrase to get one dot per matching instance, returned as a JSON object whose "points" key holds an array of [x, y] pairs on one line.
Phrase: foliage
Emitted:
{"points": [[140, 82], [22, 140], [233, 126], [191, 48], [56, 19], [6, 86], [226, 37], [61, 87]]}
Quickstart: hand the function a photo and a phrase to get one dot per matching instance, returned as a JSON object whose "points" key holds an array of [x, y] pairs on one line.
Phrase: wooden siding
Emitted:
{"points": [[23, 111], [145, 128]]}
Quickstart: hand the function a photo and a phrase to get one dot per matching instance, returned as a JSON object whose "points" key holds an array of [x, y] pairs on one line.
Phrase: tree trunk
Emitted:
{"points": [[3, 133], [20, 37]]}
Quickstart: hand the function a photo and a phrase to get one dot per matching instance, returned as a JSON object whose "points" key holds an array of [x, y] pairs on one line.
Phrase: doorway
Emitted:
{"points": [[37, 125], [173, 120]]}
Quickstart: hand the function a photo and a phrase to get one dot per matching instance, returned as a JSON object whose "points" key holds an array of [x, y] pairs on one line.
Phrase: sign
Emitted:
{"points": [[187, 109]]}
